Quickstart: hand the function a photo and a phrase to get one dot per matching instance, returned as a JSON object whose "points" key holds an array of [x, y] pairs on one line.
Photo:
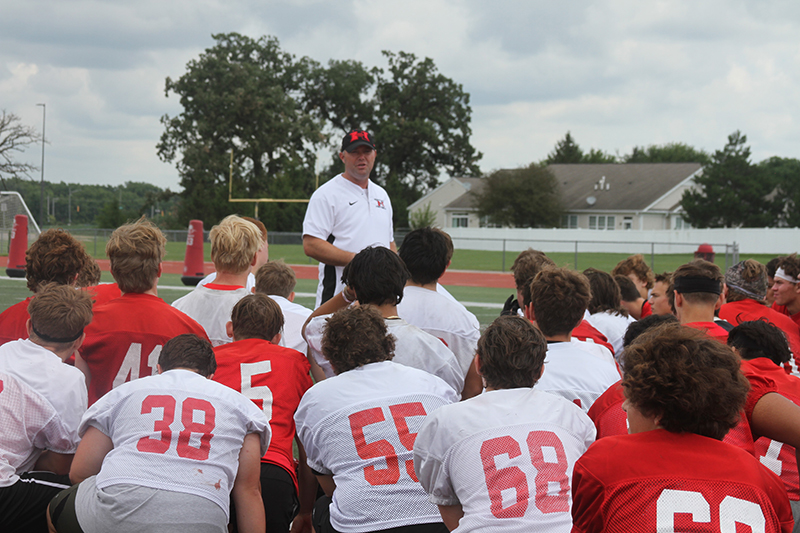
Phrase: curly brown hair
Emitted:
{"points": [[689, 380], [136, 250], [559, 297], [791, 265], [356, 336], [511, 353], [55, 256], [256, 316], [89, 276], [525, 267], [59, 312], [636, 265]]}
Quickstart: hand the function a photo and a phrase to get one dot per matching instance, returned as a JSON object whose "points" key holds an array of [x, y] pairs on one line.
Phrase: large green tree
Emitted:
{"points": [[527, 197], [785, 173], [275, 111], [732, 191], [242, 95], [567, 151], [667, 153]]}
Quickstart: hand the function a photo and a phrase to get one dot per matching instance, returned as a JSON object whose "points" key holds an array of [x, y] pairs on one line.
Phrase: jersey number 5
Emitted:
{"points": [[188, 408], [547, 456], [383, 448]]}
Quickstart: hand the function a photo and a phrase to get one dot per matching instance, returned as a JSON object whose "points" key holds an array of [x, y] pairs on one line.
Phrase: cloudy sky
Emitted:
{"points": [[616, 73]]}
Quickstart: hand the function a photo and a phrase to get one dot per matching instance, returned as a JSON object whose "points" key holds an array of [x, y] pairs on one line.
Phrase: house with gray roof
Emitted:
{"points": [[595, 196]]}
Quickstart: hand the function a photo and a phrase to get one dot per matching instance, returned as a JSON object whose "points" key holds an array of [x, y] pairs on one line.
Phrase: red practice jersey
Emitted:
{"points": [[746, 310], [784, 311], [610, 419], [589, 333], [103, 293], [646, 310], [13, 320], [124, 340], [711, 329], [777, 456], [662, 481], [275, 378]]}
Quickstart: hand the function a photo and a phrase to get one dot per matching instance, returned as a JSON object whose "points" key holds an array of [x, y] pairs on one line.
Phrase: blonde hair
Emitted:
{"points": [[136, 250], [234, 244]]}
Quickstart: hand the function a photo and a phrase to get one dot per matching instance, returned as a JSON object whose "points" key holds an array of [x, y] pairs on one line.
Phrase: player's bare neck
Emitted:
{"points": [[429, 286], [694, 313], [794, 306], [227, 278], [388, 311], [566, 337]]}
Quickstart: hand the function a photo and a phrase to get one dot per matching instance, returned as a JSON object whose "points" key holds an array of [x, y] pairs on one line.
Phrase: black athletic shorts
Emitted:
{"points": [[23, 504]]}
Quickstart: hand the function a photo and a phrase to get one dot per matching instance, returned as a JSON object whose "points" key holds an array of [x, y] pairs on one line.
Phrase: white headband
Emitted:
{"points": [[781, 274]]}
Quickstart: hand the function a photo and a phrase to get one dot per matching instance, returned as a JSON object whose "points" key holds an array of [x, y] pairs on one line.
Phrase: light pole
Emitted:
{"points": [[69, 188], [41, 184]]}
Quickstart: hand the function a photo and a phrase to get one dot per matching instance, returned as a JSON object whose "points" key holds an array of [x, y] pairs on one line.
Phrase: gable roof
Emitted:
{"points": [[467, 200], [620, 186]]}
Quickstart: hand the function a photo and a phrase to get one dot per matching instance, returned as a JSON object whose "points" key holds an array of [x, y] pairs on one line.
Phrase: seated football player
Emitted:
{"points": [[89, 280], [262, 257], [167, 453], [683, 392], [426, 254], [745, 292], [632, 301], [635, 268], [376, 276], [605, 309], [358, 430], [126, 334], [234, 249], [559, 297], [527, 264], [698, 294], [763, 347], [276, 279], [525, 440], [786, 289], [42, 401], [55, 256], [275, 378]]}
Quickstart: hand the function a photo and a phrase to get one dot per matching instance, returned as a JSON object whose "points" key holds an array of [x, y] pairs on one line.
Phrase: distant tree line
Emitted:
{"points": [[103, 206]]}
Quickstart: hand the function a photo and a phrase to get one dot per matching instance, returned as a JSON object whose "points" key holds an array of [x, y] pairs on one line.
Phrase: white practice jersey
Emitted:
{"points": [[211, 308], [251, 281], [444, 319], [360, 428], [506, 457], [294, 316], [413, 347], [60, 385], [176, 431], [613, 326], [30, 424], [349, 217], [598, 350], [444, 292], [575, 374]]}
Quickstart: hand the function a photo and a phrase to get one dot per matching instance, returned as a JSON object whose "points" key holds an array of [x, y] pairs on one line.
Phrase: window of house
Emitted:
{"points": [[459, 220], [486, 222], [569, 221], [601, 222], [680, 223], [627, 223]]}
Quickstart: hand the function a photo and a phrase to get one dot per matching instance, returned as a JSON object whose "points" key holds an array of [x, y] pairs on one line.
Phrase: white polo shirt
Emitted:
{"points": [[349, 217]]}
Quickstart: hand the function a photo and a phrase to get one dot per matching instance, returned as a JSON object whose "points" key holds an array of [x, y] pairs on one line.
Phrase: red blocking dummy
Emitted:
{"points": [[193, 263], [16, 250]]}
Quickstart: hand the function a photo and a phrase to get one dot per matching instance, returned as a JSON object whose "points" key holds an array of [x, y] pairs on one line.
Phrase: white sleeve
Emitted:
{"points": [[313, 337], [320, 216], [305, 419], [429, 465]]}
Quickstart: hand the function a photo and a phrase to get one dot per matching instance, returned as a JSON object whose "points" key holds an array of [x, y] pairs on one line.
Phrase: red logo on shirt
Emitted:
{"points": [[380, 204]]}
